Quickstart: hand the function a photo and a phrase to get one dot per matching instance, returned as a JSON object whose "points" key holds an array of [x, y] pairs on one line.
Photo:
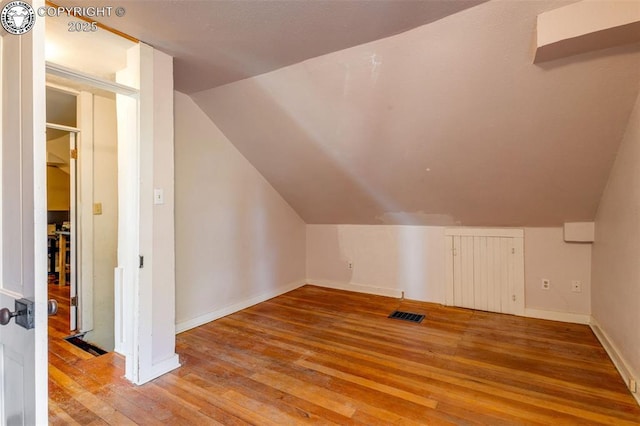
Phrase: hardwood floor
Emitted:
{"points": [[324, 356]]}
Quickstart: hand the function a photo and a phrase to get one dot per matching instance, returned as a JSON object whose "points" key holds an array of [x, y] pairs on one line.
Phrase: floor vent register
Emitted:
{"points": [[407, 316]]}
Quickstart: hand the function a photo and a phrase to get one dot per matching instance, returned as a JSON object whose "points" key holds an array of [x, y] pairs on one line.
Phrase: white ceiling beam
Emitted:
{"points": [[586, 26]]}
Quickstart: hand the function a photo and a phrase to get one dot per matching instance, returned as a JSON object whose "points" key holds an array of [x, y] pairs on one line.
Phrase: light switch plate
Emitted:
{"points": [[158, 196]]}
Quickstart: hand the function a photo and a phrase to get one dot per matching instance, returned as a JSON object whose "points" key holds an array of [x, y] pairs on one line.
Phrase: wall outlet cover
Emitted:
{"points": [[546, 284], [97, 208]]}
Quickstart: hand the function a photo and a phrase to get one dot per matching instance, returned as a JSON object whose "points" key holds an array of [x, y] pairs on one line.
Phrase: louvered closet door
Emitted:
{"points": [[485, 273]]}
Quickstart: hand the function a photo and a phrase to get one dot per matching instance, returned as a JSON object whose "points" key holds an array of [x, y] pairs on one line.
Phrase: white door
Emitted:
{"points": [[23, 253], [485, 269]]}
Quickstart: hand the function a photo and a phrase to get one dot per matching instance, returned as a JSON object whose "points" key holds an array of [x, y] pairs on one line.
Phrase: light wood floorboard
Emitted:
{"points": [[321, 356]]}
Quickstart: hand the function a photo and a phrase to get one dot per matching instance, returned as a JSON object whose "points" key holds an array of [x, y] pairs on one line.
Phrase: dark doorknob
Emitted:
{"points": [[6, 315], [52, 307], [24, 307], [23, 314]]}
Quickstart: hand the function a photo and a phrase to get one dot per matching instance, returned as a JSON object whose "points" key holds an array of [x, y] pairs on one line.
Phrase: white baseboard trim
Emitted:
{"points": [[618, 360], [359, 288], [558, 316], [223, 312], [157, 370]]}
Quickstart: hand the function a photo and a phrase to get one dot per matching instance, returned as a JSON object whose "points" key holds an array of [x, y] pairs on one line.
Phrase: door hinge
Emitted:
{"points": [[140, 261], [74, 154], [74, 301], [453, 250]]}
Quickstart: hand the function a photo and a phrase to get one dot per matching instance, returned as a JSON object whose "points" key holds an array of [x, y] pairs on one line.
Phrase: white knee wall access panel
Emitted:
{"points": [[485, 269]]}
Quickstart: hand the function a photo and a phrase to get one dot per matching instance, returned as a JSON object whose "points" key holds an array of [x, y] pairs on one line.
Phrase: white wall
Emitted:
{"points": [[548, 256], [145, 316], [389, 259], [163, 214], [237, 241], [156, 279], [616, 251], [105, 225]]}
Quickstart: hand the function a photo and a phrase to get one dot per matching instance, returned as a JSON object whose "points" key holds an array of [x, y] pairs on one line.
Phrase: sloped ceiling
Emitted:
{"points": [[222, 41], [449, 123]]}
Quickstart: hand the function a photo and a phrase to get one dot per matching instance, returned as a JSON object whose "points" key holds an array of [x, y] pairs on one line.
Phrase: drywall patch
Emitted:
{"points": [[417, 218]]}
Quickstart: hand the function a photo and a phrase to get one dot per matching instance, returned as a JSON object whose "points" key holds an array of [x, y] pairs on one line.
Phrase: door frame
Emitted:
{"points": [[147, 314], [75, 216], [125, 303]]}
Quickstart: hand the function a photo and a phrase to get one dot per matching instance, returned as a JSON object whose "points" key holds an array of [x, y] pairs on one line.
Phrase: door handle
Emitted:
{"points": [[6, 315], [52, 307], [24, 314], [24, 308]]}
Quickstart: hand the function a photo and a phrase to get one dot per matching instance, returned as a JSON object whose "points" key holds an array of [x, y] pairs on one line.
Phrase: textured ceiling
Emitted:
{"points": [[449, 123], [219, 42]]}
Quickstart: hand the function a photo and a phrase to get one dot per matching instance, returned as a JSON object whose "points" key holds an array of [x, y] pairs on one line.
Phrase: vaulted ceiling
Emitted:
{"points": [[450, 122]]}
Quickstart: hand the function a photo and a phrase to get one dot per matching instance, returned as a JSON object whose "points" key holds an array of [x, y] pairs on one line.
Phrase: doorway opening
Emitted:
{"points": [[82, 198], [141, 80], [85, 134]]}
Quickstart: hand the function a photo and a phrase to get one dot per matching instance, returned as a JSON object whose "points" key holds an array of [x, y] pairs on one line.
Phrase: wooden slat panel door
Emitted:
{"points": [[467, 273], [486, 273], [480, 266]]}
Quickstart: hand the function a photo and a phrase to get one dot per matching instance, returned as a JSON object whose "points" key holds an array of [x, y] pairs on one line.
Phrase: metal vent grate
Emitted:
{"points": [[407, 316], [85, 346]]}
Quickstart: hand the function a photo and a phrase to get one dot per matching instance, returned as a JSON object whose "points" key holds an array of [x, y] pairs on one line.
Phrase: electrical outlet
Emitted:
{"points": [[350, 265], [576, 286], [546, 284], [633, 387]]}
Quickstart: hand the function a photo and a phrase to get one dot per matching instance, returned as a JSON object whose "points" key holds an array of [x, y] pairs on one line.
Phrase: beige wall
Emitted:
{"points": [[389, 259], [237, 240], [58, 189], [548, 256], [105, 226], [616, 251]]}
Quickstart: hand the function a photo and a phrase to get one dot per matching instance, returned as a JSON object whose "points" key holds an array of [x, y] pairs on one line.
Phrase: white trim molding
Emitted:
{"points": [[626, 372], [228, 310], [557, 316], [158, 369], [91, 80], [358, 288]]}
